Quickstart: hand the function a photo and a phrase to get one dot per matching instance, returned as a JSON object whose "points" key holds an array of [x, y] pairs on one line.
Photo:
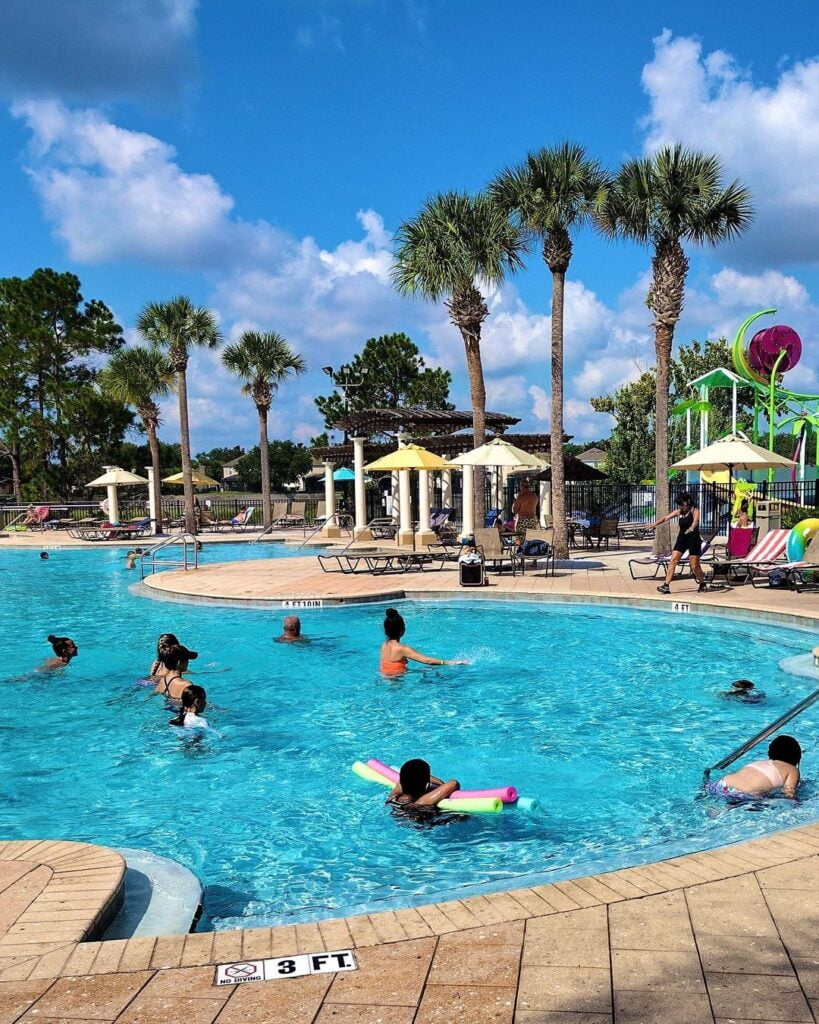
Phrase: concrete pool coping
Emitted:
{"points": [[723, 935]]}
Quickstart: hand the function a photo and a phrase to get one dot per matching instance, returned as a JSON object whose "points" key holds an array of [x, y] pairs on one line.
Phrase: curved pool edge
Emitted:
{"points": [[313, 600], [672, 897]]}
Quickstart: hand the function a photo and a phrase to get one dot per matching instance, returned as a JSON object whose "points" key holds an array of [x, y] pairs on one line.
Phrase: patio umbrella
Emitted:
{"points": [[732, 452], [411, 456], [199, 480], [501, 453], [112, 478]]}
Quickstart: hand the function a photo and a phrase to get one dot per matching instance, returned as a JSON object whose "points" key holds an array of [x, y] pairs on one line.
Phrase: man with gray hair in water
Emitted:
{"points": [[292, 631]]}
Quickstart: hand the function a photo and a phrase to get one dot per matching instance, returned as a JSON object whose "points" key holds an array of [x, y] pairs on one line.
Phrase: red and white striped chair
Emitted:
{"points": [[769, 552]]}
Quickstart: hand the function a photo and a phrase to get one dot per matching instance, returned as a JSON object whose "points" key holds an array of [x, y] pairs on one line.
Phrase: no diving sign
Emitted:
{"points": [[285, 967]]}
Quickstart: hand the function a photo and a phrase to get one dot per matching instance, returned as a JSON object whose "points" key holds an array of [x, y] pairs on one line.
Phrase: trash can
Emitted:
{"points": [[768, 517], [471, 574]]}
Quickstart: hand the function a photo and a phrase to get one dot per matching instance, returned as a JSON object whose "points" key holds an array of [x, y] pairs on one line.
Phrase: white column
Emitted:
{"points": [[113, 505], [468, 518], [153, 511], [425, 533], [405, 532], [446, 488], [734, 407], [360, 530], [330, 528], [395, 508], [545, 495]]}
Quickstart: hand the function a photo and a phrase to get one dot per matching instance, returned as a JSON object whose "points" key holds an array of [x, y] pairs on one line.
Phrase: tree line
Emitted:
{"points": [[62, 413]]}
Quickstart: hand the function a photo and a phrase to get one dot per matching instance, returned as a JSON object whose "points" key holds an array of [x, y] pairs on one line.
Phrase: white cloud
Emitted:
{"points": [[768, 136], [118, 195], [503, 392], [541, 404], [757, 290]]}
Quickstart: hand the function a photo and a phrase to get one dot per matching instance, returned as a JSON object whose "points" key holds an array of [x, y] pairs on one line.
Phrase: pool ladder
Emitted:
{"points": [[149, 563], [763, 734]]}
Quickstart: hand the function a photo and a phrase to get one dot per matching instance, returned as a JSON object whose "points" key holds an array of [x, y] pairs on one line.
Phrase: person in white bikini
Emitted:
{"points": [[761, 778]]}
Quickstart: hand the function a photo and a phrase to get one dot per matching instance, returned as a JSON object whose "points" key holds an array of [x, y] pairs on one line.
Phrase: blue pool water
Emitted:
{"points": [[608, 716]]}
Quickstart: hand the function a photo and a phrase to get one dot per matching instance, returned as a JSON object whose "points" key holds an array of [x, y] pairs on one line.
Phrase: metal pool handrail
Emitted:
{"points": [[763, 734], [187, 561]]}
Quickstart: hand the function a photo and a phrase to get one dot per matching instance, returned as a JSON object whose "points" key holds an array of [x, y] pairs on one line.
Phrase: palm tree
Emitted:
{"points": [[456, 242], [672, 196], [137, 376], [551, 192], [263, 361], [173, 327]]}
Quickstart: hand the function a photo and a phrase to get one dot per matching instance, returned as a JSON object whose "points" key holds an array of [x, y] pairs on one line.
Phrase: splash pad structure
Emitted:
{"points": [[760, 364]]}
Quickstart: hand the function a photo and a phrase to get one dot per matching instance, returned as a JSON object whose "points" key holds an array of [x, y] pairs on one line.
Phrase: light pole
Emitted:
{"points": [[346, 380]]}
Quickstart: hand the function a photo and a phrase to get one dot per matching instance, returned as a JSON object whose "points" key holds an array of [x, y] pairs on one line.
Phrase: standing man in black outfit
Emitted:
{"points": [[688, 540]]}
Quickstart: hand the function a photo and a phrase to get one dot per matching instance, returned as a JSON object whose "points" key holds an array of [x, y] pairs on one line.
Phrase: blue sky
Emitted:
{"points": [[258, 154]]}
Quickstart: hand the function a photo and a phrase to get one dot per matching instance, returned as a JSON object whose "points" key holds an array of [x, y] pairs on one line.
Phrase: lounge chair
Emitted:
{"points": [[795, 575], [768, 553], [241, 521], [545, 537], [380, 563], [319, 517], [278, 511], [492, 549], [383, 528], [295, 517], [659, 563]]}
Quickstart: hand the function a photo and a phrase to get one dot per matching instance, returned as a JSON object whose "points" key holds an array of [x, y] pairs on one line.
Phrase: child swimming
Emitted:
{"points": [[395, 655], [417, 787], [761, 778], [744, 691], [64, 648], [193, 703], [171, 683]]}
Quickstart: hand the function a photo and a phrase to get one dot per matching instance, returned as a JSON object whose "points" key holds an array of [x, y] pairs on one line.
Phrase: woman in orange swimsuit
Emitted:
{"points": [[395, 655]]}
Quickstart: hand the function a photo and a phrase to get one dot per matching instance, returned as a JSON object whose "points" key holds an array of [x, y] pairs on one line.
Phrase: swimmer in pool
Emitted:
{"points": [[395, 655], [130, 560], [165, 642], [43, 556], [64, 649], [417, 787], [744, 691], [762, 778], [292, 631], [193, 702], [172, 683]]}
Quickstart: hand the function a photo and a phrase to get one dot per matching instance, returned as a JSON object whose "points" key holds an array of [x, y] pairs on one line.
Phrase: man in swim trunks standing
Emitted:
{"points": [[525, 508], [688, 542]]}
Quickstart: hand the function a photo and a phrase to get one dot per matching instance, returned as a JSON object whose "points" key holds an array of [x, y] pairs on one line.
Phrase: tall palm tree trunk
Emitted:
{"points": [[477, 394], [669, 269], [560, 535], [153, 445], [264, 452], [663, 339], [185, 444]]}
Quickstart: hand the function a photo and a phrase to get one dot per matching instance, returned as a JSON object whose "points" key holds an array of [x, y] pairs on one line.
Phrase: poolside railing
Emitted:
{"points": [[763, 734]]}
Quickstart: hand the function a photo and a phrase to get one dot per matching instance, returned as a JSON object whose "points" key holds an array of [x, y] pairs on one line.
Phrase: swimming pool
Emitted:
{"points": [[607, 715]]}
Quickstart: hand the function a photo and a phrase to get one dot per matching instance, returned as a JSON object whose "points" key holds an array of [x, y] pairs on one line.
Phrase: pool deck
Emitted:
{"points": [[717, 937], [722, 936], [271, 583]]}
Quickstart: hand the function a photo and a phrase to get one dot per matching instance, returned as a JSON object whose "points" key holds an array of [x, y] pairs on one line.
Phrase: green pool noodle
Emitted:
{"points": [[482, 805], [527, 803], [365, 772], [473, 805]]}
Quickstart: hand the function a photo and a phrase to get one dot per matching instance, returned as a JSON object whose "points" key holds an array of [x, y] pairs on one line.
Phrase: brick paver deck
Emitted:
{"points": [[710, 938]]}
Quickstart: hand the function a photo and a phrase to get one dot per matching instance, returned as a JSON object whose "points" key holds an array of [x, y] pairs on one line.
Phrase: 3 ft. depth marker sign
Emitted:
{"points": [[296, 966]]}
